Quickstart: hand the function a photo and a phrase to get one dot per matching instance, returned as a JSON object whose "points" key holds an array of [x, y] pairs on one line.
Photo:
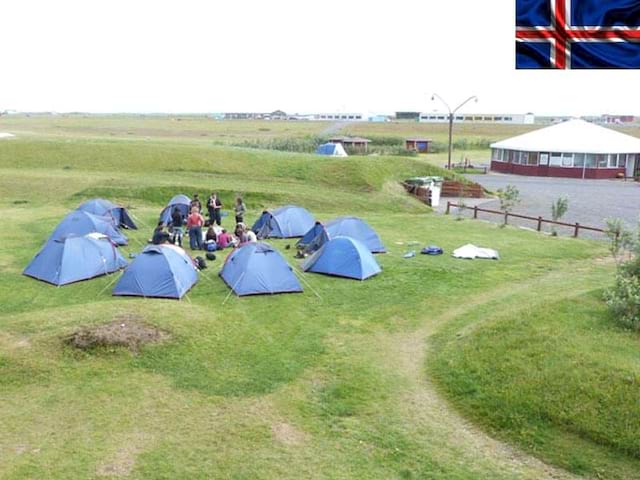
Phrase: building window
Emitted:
{"points": [[590, 159], [567, 159], [578, 159], [612, 160], [555, 160], [601, 161], [533, 158], [630, 160]]}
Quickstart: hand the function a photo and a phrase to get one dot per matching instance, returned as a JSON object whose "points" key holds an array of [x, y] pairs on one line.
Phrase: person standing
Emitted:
{"points": [[211, 202], [214, 205], [195, 203], [176, 226], [194, 225], [240, 210]]}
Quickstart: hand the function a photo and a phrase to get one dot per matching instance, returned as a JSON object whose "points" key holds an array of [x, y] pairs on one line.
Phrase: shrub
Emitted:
{"points": [[509, 198], [623, 298], [558, 210]]}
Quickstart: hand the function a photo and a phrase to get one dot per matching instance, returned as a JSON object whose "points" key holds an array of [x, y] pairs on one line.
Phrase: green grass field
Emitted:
{"points": [[437, 368]]}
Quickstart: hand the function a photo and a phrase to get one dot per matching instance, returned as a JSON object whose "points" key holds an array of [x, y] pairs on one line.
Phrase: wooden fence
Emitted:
{"points": [[576, 226], [453, 188]]}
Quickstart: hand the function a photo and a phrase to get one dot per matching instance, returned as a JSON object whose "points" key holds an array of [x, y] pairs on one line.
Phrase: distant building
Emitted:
{"points": [[378, 118], [344, 117], [616, 119], [278, 115], [407, 116], [510, 118], [355, 144], [420, 145], [244, 116]]}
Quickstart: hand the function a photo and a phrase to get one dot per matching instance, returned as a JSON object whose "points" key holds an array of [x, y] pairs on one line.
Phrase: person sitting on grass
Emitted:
{"points": [[160, 236], [249, 236], [210, 236], [244, 235], [238, 234], [224, 239], [194, 225]]}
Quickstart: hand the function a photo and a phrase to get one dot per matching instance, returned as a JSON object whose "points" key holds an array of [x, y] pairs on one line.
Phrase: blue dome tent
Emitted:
{"points": [[105, 208], [313, 239], [343, 257], [162, 271], [74, 259], [332, 150], [181, 202], [310, 236], [358, 229], [257, 268], [79, 223], [352, 227], [285, 222]]}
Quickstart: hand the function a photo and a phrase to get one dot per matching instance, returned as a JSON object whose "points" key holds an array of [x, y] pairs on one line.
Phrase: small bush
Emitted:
{"points": [[623, 298]]}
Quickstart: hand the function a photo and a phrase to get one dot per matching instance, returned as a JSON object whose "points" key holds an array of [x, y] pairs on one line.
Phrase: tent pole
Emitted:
{"points": [[231, 290], [108, 285], [307, 283]]}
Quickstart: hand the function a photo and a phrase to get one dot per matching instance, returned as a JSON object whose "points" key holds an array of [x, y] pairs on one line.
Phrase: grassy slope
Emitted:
{"points": [[560, 379], [269, 387]]}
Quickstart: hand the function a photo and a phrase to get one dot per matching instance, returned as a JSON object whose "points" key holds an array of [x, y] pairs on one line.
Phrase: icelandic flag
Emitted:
{"points": [[577, 34]]}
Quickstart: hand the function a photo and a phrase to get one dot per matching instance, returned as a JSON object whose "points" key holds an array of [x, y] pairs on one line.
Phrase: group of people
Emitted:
{"points": [[215, 237]]}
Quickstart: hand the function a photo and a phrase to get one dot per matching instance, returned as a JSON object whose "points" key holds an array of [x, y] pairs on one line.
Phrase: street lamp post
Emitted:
{"points": [[451, 114]]}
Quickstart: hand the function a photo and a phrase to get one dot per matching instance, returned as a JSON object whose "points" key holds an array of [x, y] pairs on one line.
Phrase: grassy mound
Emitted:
{"points": [[560, 379]]}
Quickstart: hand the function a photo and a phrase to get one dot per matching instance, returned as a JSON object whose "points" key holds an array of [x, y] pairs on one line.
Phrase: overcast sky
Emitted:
{"points": [[298, 56]]}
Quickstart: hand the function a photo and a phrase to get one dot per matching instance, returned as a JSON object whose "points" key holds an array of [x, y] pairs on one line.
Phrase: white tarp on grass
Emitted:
{"points": [[471, 251], [6, 135]]}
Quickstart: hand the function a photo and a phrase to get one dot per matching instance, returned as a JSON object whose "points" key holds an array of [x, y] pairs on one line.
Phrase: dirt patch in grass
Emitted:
{"points": [[122, 462], [287, 434], [128, 331]]}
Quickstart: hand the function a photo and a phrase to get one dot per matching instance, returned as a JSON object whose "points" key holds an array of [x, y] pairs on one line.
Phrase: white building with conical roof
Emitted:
{"points": [[574, 148]]}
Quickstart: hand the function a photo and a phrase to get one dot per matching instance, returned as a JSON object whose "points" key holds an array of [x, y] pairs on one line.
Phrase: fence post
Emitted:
{"points": [[506, 217], [539, 223], [575, 233], [475, 212], [448, 207]]}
